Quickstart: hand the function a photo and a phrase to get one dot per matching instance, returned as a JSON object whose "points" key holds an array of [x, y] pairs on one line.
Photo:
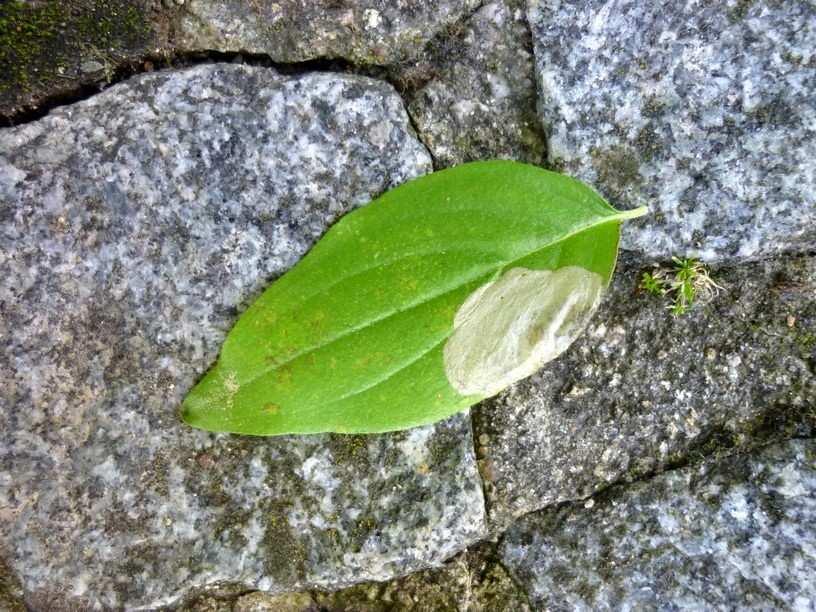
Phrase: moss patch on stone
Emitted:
{"points": [[648, 143], [51, 46], [350, 449], [11, 593], [285, 553], [618, 169], [474, 580], [740, 9]]}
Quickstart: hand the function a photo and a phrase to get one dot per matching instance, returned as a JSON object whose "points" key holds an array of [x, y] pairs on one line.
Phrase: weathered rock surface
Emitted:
{"points": [[52, 48], [52, 51], [473, 581], [378, 33], [133, 227], [11, 591], [479, 101], [736, 534], [643, 390], [703, 111]]}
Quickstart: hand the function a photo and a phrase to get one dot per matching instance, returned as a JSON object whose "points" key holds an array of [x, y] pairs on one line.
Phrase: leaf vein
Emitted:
{"points": [[424, 300]]}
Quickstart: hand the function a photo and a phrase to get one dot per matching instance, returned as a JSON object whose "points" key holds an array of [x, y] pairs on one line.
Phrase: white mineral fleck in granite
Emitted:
{"points": [[704, 112], [134, 227], [372, 18], [415, 445]]}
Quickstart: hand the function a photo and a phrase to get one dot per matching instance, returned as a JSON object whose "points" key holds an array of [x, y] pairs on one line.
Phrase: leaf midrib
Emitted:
{"points": [[363, 270], [425, 299]]}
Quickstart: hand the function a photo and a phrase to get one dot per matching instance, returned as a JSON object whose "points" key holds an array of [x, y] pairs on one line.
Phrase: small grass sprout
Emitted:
{"points": [[653, 283], [685, 282]]}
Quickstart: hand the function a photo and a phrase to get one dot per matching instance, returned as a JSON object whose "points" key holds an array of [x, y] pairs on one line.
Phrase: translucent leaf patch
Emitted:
{"points": [[437, 294], [510, 327]]}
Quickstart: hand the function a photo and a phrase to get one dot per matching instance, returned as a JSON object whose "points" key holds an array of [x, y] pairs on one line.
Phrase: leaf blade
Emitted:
{"points": [[327, 346]]}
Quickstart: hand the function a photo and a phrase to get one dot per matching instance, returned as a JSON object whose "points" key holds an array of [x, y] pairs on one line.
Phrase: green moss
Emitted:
{"points": [[43, 45], [653, 106], [779, 422], [285, 553], [618, 169], [137, 565], [11, 593], [473, 580], [231, 525], [497, 591], [350, 449], [533, 141], [648, 143], [740, 10], [441, 444], [716, 442], [359, 532], [25, 34], [806, 340]]}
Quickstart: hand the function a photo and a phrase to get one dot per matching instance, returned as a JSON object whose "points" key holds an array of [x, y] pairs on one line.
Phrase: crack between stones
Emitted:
{"points": [[419, 134], [187, 59], [620, 486], [694, 458], [482, 481], [493, 544], [179, 60]]}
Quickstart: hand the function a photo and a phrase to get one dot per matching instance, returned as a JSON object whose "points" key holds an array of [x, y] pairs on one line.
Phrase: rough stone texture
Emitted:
{"points": [[252, 602], [52, 48], [260, 602], [703, 111], [739, 534], [473, 581], [478, 100], [133, 228], [373, 32], [11, 591], [643, 390], [53, 51]]}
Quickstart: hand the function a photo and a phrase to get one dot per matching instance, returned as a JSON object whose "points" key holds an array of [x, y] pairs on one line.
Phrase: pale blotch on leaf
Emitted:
{"points": [[508, 328]]}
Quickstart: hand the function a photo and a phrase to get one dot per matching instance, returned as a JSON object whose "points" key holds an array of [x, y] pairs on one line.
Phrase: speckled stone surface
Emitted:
{"points": [[479, 101], [703, 111], [134, 226], [472, 581], [373, 32], [737, 534], [643, 390]]}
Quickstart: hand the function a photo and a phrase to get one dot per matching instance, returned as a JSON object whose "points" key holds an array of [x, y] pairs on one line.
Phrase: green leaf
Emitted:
{"points": [[436, 295]]}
